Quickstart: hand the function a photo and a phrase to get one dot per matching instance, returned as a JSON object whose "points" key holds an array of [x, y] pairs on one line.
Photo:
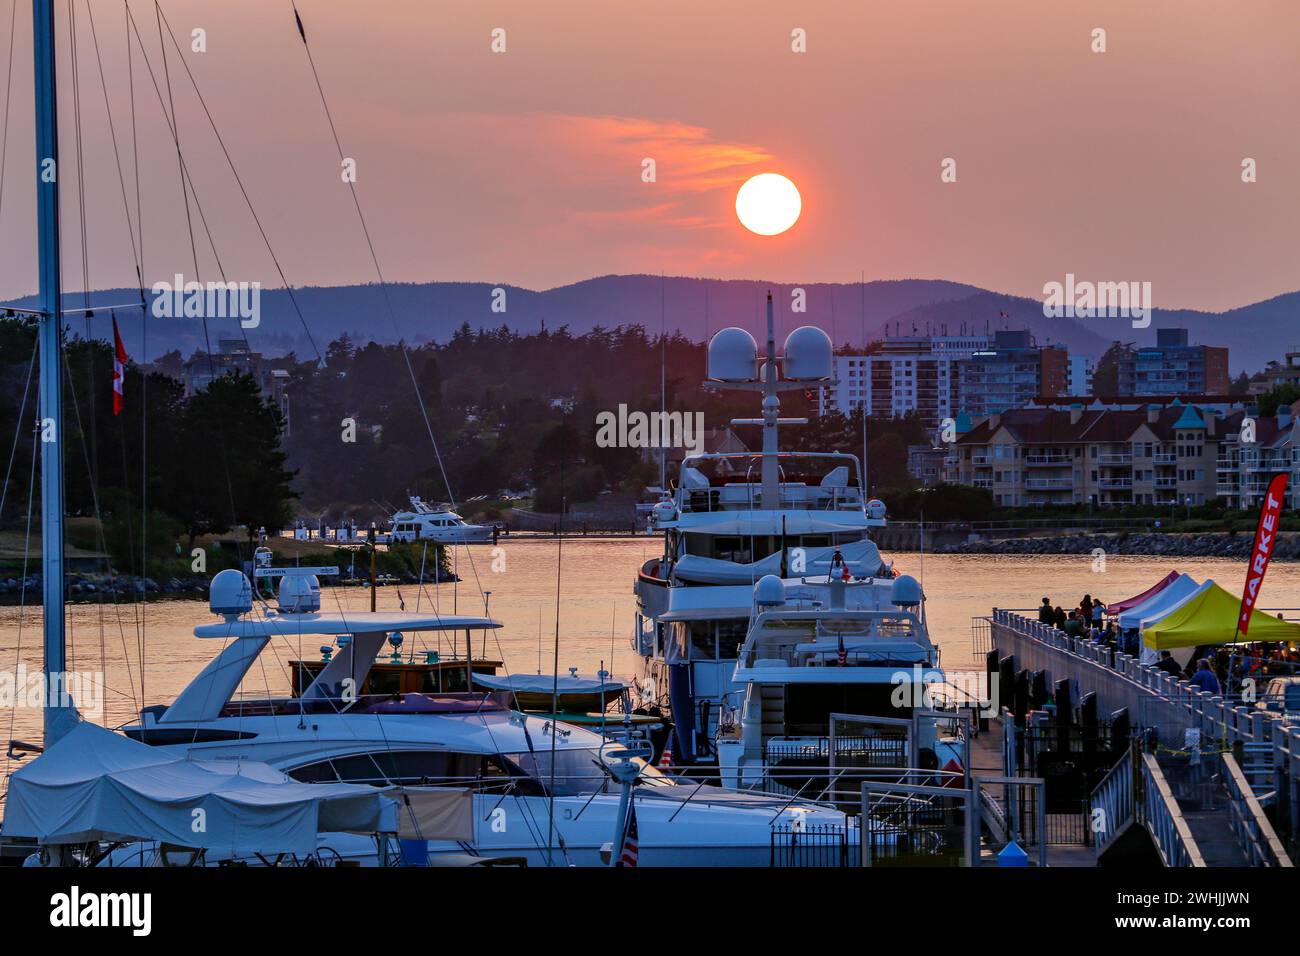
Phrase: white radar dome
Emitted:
{"points": [[807, 355], [299, 593], [769, 591], [230, 593], [876, 508], [906, 591], [733, 356]]}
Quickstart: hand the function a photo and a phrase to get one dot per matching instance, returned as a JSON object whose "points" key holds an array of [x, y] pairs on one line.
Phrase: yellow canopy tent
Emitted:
{"points": [[1210, 618]]}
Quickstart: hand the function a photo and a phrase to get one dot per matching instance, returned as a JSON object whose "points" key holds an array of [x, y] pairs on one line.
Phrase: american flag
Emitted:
{"points": [[631, 843]]}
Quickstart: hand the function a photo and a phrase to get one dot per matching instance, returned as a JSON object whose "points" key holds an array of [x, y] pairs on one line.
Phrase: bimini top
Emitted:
{"points": [[1211, 618]]}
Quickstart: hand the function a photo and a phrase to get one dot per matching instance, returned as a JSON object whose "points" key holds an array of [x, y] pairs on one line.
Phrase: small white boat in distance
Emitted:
{"points": [[424, 522]]}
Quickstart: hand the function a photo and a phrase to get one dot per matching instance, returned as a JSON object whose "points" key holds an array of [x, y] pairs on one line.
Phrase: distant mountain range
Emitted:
{"points": [[1253, 333]]}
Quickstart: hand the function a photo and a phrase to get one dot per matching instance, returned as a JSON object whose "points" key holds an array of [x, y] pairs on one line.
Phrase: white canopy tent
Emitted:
{"points": [[94, 784], [1159, 603]]}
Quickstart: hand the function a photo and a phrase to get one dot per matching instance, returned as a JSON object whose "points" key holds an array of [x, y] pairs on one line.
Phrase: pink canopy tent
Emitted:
{"points": [[1121, 606]]}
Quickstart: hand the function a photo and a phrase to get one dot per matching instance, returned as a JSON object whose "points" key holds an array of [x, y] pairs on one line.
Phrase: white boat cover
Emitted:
{"points": [[546, 684], [862, 557], [94, 784], [1162, 601], [769, 522]]}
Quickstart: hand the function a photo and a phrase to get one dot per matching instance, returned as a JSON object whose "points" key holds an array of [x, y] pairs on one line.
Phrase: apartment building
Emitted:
{"points": [[1154, 454], [1041, 456], [1243, 468], [1172, 367], [906, 373], [1011, 373]]}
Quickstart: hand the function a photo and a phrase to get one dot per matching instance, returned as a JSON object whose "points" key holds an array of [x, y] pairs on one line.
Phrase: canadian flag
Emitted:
{"points": [[119, 369]]}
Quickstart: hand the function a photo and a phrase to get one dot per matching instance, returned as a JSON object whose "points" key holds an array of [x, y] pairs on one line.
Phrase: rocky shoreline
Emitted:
{"points": [[84, 588], [1215, 545]]}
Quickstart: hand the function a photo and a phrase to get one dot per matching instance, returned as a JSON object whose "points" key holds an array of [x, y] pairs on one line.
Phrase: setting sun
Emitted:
{"points": [[768, 204]]}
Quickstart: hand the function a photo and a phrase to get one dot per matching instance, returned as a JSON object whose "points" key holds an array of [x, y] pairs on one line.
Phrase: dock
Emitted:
{"points": [[1193, 778]]}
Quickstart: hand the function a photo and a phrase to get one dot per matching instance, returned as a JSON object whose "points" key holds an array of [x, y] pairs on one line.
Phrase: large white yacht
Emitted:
{"points": [[424, 522], [838, 675], [543, 791], [733, 518]]}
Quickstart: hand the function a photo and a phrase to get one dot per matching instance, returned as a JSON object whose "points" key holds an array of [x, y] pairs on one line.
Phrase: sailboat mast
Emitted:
{"points": [[771, 492], [51, 387]]}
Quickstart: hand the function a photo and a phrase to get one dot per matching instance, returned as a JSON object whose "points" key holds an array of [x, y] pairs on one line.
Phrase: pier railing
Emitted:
{"points": [[1166, 706], [1113, 796], [1253, 830], [1164, 820]]}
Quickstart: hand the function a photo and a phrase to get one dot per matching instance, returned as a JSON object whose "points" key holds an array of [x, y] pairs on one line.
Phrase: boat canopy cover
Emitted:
{"points": [[1211, 618], [1121, 606], [1159, 603], [545, 684], [769, 522], [94, 784], [862, 557]]}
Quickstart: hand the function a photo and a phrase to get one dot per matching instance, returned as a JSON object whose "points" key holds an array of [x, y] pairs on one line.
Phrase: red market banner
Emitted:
{"points": [[1270, 515]]}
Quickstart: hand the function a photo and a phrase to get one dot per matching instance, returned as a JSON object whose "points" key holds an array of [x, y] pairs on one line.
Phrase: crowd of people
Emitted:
{"points": [[1210, 669], [1088, 620]]}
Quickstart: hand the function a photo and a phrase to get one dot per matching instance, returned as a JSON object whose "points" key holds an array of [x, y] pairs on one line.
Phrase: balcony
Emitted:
{"points": [[1123, 459], [1049, 484], [981, 459], [1166, 482], [982, 482], [1115, 484], [1163, 459], [1047, 460], [1225, 464], [1224, 489]]}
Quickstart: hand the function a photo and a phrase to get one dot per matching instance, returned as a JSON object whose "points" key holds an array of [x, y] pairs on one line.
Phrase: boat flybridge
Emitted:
{"points": [[425, 522], [732, 519], [839, 677], [544, 791]]}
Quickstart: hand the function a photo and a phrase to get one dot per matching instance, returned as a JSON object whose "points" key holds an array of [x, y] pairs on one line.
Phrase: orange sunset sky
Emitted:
{"points": [[525, 167]]}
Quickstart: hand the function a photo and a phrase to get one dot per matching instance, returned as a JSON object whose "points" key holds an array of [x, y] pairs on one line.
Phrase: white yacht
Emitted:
{"points": [[838, 675], [733, 518], [543, 791], [424, 522]]}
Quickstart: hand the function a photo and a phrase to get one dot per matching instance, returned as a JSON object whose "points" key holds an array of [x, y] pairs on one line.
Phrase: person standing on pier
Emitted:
{"points": [[1169, 665], [1045, 613], [1204, 678]]}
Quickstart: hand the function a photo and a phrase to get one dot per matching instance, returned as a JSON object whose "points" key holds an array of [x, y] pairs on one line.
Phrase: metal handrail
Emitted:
{"points": [[1246, 817], [1114, 797], [1163, 819]]}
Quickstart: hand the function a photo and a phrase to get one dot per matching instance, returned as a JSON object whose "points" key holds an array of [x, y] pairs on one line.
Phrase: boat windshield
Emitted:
{"points": [[577, 770]]}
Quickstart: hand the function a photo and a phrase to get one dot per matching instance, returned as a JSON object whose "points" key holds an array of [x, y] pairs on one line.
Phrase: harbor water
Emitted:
{"points": [[596, 613]]}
